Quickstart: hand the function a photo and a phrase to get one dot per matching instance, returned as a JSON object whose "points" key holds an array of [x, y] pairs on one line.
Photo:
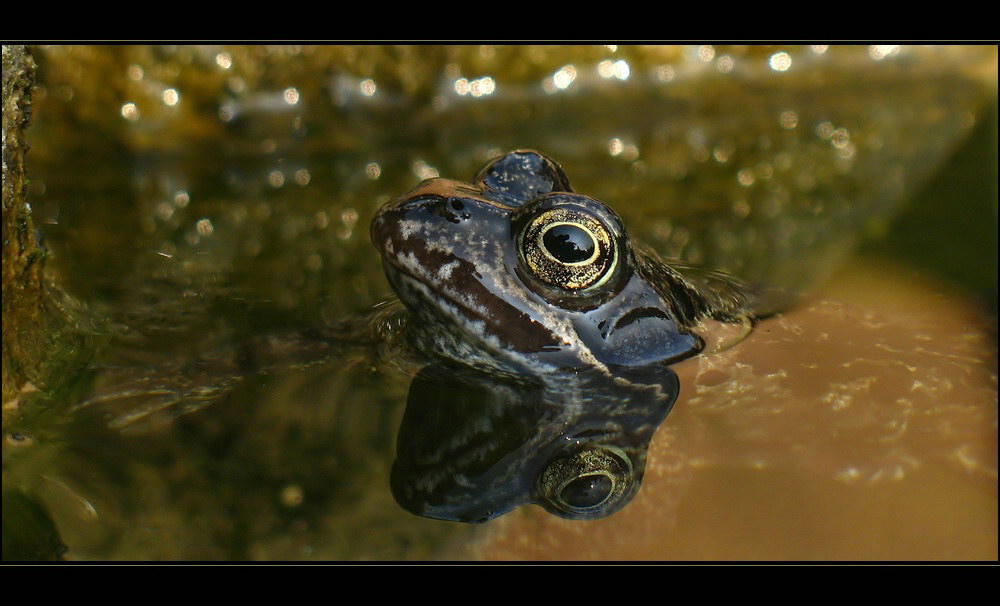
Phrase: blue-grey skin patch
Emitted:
{"points": [[482, 293]]}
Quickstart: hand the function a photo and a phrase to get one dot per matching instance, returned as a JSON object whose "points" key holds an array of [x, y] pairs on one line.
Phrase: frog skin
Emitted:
{"points": [[516, 273]]}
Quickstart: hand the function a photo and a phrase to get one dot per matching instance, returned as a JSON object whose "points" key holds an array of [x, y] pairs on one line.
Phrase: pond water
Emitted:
{"points": [[199, 199]]}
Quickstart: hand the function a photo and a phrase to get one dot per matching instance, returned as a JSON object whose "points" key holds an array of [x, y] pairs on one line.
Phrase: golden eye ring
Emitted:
{"points": [[587, 483], [569, 249]]}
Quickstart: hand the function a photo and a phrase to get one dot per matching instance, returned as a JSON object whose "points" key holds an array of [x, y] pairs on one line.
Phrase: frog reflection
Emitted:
{"points": [[472, 446], [539, 304]]}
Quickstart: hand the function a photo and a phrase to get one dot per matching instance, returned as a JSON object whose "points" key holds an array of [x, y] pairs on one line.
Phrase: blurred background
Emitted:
{"points": [[193, 197]]}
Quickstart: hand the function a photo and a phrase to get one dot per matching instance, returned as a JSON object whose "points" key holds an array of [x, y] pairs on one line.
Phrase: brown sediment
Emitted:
{"points": [[863, 429]]}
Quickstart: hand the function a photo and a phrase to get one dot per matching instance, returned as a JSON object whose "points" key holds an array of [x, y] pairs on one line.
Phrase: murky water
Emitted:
{"points": [[203, 198]]}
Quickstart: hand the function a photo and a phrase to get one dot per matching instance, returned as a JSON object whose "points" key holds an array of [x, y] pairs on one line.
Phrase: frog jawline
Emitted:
{"points": [[473, 348]]}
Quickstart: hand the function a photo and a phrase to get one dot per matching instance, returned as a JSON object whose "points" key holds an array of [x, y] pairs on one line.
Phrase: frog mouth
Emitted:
{"points": [[419, 296], [482, 317]]}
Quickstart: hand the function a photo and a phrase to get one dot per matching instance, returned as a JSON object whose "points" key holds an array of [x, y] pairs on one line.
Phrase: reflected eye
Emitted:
{"points": [[589, 483], [568, 248], [587, 491]]}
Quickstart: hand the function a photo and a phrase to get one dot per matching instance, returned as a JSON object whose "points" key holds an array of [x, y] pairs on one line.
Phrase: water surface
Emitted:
{"points": [[199, 198]]}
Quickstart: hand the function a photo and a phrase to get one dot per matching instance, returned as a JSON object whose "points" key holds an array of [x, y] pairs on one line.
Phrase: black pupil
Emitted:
{"points": [[569, 243], [587, 491]]}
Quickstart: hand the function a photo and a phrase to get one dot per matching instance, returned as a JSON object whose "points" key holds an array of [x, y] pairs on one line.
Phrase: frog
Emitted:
{"points": [[547, 326], [515, 272]]}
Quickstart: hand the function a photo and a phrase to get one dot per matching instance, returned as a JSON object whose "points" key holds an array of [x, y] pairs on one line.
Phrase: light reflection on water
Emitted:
{"points": [[193, 243]]}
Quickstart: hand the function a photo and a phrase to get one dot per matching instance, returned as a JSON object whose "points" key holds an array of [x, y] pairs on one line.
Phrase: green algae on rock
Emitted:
{"points": [[39, 335]]}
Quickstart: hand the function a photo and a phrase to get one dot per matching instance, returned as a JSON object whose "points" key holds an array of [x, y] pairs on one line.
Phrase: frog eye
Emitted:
{"points": [[590, 483], [569, 249]]}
